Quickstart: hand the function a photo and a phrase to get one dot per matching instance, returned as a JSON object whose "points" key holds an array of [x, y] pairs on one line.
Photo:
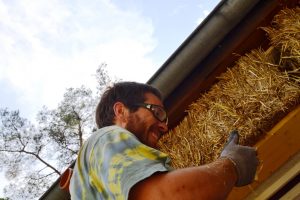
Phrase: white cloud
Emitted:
{"points": [[47, 46]]}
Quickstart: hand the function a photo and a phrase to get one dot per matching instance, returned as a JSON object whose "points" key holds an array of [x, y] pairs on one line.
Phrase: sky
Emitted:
{"points": [[48, 46]]}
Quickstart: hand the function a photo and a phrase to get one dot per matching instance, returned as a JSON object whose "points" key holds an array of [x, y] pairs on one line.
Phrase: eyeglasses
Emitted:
{"points": [[158, 112]]}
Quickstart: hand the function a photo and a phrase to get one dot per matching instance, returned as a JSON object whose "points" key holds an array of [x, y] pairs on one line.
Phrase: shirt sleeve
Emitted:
{"points": [[118, 161]]}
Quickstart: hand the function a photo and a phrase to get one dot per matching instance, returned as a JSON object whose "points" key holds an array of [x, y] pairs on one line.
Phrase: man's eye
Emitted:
{"points": [[158, 113]]}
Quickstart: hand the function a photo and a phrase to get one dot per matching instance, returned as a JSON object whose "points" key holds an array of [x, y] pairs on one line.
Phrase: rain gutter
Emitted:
{"points": [[226, 15]]}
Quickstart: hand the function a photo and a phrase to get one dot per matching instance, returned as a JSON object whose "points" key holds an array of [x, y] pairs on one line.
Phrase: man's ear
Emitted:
{"points": [[121, 113]]}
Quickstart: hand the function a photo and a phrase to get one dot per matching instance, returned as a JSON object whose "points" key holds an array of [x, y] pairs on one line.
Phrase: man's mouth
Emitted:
{"points": [[156, 135]]}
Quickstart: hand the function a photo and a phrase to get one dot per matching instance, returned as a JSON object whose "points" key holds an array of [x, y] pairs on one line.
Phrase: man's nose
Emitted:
{"points": [[163, 127]]}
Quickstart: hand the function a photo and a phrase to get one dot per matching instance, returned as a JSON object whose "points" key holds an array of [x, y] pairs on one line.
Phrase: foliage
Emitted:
{"points": [[23, 145], [69, 123], [34, 154]]}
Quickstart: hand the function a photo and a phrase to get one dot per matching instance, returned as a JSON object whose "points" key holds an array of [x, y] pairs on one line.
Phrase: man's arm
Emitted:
{"points": [[211, 181], [236, 167]]}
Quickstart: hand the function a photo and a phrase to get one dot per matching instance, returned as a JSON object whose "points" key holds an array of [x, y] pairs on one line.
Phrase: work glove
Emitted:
{"points": [[243, 157]]}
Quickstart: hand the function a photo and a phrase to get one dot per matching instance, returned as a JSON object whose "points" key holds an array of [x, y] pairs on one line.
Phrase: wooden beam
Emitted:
{"points": [[278, 180], [294, 193], [279, 145]]}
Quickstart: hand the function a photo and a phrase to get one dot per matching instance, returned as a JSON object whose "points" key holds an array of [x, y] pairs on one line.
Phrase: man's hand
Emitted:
{"points": [[243, 157]]}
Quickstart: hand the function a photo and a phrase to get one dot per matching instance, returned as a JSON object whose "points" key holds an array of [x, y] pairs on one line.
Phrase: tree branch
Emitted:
{"points": [[33, 154], [42, 177]]}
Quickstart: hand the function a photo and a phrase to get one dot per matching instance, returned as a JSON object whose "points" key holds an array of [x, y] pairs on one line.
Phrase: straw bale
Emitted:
{"points": [[250, 97], [284, 35]]}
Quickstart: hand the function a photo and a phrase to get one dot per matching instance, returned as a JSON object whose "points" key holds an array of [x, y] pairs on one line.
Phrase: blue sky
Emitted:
{"points": [[48, 46]]}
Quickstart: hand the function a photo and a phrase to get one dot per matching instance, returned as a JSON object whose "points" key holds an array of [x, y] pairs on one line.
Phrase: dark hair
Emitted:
{"points": [[129, 93]]}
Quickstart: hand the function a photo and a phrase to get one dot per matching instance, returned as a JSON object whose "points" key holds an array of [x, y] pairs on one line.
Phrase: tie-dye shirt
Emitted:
{"points": [[110, 162]]}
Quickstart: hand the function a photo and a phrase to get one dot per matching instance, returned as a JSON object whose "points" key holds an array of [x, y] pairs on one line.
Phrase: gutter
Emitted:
{"points": [[226, 15]]}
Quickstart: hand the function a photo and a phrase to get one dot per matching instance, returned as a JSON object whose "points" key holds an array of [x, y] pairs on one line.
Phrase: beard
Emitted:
{"points": [[138, 127]]}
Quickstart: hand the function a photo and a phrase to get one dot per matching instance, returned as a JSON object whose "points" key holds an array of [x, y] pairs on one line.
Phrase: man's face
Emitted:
{"points": [[144, 125]]}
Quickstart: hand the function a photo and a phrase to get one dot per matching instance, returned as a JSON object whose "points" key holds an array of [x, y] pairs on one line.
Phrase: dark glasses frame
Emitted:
{"points": [[152, 108]]}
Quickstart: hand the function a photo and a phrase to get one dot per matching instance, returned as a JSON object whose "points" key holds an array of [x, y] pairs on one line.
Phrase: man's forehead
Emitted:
{"points": [[153, 99]]}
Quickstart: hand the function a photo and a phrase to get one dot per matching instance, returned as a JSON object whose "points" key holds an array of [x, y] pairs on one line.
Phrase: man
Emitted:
{"points": [[119, 161]]}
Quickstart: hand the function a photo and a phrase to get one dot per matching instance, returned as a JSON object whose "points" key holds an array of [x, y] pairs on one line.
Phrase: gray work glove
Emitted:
{"points": [[243, 157]]}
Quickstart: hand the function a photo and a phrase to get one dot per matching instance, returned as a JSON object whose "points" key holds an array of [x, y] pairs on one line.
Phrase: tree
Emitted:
{"points": [[22, 145], [103, 80], [69, 123], [34, 154]]}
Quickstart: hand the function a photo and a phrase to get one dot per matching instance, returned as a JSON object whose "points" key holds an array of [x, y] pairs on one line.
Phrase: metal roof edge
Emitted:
{"points": [[225, 16]]}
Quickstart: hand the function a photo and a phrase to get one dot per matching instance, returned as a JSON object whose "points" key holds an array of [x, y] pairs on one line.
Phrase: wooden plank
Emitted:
{"points": [[280, 144], [278, 180], [293, 193]]}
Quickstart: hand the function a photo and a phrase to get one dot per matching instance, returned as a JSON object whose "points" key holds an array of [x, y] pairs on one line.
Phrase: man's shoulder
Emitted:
{"points": [[110, 132], [110, 129]]}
